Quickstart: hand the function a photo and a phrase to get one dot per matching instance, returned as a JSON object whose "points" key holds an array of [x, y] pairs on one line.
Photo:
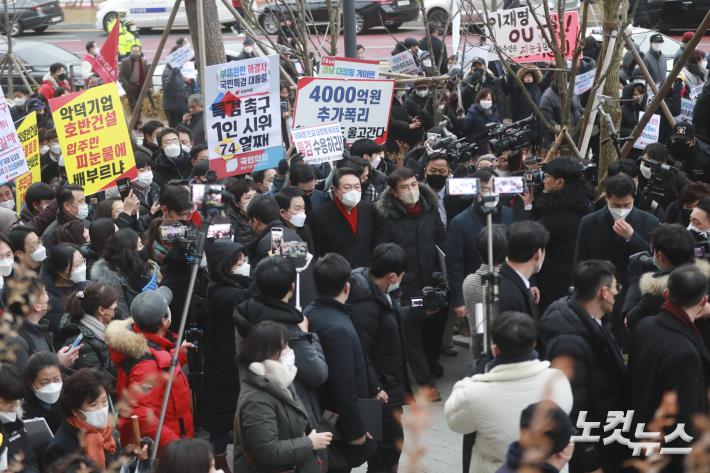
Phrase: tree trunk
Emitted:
{"points": [[608, 152], [214, 46]]}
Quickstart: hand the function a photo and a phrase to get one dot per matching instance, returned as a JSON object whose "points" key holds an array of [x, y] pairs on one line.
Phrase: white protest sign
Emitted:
{"points": [[243, 111], [686, 110], [362, 107], [518, 35], [179, 57], [403, 63], [650, 133], [472, 52], [695, 91], [649, 96], [320, 143], [12, 157], [584, 82], [348, 68], [188, 70]]}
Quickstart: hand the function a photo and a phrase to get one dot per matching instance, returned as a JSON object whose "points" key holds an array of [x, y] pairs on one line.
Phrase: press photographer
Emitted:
{"points": [[661, 180], [694, 153]]}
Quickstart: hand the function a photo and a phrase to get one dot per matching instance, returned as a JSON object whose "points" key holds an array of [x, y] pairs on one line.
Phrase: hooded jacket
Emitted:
{"points": [[551, 107], [418, 236], [631, 110], [141, 360], [50, 85], [656, 62], [519, 106], [310, 361]]}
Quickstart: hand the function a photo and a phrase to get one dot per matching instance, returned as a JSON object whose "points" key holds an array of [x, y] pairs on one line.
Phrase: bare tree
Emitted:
{"points": [[212, 28]]}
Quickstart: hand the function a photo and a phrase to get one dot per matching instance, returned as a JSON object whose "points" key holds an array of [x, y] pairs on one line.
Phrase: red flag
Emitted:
{"points": [[106, 63]]}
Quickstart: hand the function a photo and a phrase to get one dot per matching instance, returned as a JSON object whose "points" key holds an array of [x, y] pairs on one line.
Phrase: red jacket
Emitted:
{"points": [[142, 360], [49, 86]]}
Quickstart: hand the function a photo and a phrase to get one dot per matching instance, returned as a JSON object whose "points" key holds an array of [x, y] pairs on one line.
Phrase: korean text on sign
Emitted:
{"points": [[347, 68], [12, 158], [94, 138], [650, 133], [403, 63], [29, 137], [243, 116], [360, 106], [520, 38], [320, 143]]}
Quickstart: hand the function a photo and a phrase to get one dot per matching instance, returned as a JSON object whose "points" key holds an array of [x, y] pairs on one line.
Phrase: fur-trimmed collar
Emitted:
{"points": [[530, 69], [391, 208], [120, 337], [655, 283]]}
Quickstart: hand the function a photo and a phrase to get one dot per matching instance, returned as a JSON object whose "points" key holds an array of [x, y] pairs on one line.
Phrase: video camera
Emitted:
{"points": [[658, 179], [457, 149], [434, 297], [535, 177], [514, 136]]}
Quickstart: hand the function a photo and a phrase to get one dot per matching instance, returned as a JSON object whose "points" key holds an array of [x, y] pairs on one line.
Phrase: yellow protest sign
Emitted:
{"points": [[94, 137], [27, 132]]}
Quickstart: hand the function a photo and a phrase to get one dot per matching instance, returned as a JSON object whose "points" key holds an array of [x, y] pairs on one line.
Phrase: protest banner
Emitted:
{"points": [[348, 68], [28, 134], [243, 116], [319, 143], [695, 91], [686, 110], [584, 82], [94, 138], [105, 64], [12, 158], [180, 57], [362, 107], [403, 63], [470, 53], [650, 133], [520, 38]]}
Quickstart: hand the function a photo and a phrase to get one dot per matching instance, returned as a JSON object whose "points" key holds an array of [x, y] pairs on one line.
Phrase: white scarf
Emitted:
{"points": [[275, 371], [93, 324]]}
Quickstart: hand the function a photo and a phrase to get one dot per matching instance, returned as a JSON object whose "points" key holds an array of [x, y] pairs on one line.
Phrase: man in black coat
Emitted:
{"points": [[346, 225], [331, 319], [407, 214], [402, 126], [441, 57], [566, 198], [572, 330], [376, 316], [666, 354], [614, 233], [526, 254]]}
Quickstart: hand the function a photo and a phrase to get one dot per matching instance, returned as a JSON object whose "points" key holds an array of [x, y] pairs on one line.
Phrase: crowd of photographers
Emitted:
{"points": [[326, 294]]}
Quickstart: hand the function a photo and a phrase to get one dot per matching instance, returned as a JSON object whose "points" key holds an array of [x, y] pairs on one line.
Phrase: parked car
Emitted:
{"points": [[35, 15], [37, 57], [149, 14], [368, 13], [670, 15]]}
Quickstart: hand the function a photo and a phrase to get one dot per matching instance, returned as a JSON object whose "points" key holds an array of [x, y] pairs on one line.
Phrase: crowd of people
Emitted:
{"points": [[304, 361]]}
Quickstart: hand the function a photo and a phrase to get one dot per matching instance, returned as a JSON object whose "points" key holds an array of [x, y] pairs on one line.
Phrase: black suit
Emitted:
{"points": [[666, 354], [514, 294], [332, 233]]}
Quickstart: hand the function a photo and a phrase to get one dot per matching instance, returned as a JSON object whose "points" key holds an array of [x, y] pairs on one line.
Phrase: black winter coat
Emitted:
{"points": [[17, 444], [243, 233], [221, 376], [701, 114], [399, 127], [66, 442], [421, 107], [166, 169], [418, 236], [94, 351], [560, 212], [631, 110], [461, 246], [598, 378], [332, 233], [312, 368], [34, 408], [514, 295], [379, 326]]}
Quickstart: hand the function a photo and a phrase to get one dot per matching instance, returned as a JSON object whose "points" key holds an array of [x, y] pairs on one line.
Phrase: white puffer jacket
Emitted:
{"points": [[491, 403]]}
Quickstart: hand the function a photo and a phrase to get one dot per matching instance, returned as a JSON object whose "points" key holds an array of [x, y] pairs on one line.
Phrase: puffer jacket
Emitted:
{"points": [[141, 360], [94, 351], [102, 272], [166, 169], [519, 106], [418, 236], [312, 369]]}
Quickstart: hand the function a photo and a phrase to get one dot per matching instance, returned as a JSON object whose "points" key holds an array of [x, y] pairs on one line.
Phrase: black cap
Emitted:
{"points": [[248, 41], [557, 424], [409, 42], [657, 38], [683, 131]]}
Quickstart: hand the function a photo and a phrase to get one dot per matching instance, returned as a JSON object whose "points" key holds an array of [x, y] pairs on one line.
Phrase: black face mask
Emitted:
{"points": [[62, 77], [436, 181], [679, 150]]}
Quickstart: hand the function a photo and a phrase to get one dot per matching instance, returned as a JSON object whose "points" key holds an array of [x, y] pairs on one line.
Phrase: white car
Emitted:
{"points": [[642, 37], [473, 12], [148, 14]]}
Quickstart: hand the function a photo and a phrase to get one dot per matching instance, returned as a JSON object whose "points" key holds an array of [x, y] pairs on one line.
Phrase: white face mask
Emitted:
{"points": [[410, 197], [243, 270], [618, 213], [426, 63], [43, 149], [187, 148], [248, 49], [486, 104], [49, 393], [645, 171], [78, 274], [145, 178], [351, 198], [375, 161], [172, 150], [19, 102], [7, 417], [98, 418], [693, 228], [60, 161], [8, 204], [55, 148], [6, 266], [82, 212], [656, 46], [289, 358], [39, 254], [393, 287], [298, 220], [422, 92]]}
